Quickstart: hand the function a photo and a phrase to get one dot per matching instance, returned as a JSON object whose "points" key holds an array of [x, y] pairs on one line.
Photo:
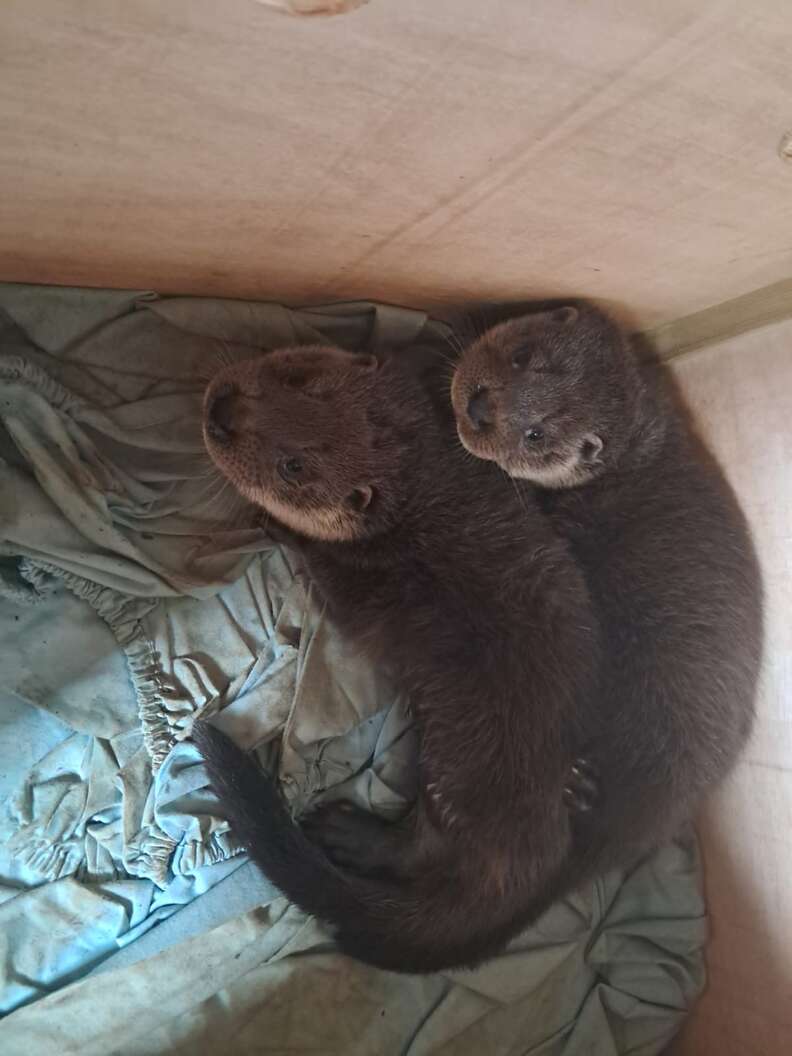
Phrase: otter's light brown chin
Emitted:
{"points": [[477, 449], [566, 475], [326, 525]]}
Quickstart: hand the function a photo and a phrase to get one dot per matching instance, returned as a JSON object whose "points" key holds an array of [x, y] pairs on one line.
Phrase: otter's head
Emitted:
{"points": [[301, 433], [546, 396]]}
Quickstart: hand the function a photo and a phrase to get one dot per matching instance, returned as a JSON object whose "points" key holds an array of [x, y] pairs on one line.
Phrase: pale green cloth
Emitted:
{"points": [[115, 536], [608, 973]]}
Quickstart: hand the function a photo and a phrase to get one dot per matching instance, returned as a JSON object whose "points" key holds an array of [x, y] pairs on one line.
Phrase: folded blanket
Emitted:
{"points": [[117, 536]]}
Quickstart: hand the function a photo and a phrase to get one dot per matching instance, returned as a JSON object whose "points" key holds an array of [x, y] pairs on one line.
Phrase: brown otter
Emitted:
{"points": [[565, 400], [433, 563]]}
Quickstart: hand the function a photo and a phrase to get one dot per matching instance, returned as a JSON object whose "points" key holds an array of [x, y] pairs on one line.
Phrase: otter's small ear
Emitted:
{"points": [[590, 448], [367, 362], [564, 316], [360, 499]]}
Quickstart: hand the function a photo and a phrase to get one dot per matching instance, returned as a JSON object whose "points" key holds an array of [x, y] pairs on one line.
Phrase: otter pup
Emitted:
{"points": [[437, 568], [565, 400]]}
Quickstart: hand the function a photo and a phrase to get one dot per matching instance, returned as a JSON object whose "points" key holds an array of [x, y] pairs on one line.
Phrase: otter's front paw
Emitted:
{"points": [[581, 791]]}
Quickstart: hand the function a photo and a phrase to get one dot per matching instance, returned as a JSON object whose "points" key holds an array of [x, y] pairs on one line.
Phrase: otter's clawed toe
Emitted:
{"points": [[581, 791], [351, 838]]}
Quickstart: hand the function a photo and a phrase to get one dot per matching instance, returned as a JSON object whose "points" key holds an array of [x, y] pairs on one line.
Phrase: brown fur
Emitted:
{"points": [[437, 568], [661, 539]]}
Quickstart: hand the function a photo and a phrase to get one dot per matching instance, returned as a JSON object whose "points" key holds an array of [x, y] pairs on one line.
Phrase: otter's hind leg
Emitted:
{"points": [[363, 843]]}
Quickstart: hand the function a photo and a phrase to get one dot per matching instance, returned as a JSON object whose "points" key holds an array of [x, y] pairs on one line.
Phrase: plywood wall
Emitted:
{"points": [[741, 393], [413, 150]]}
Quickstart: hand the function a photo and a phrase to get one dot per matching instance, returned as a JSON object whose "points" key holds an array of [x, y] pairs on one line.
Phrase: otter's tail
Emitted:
{"points": [[390, 926]]}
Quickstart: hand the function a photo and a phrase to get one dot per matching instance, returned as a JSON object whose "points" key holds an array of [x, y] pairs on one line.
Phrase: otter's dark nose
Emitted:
{"points": [[220, 414], [480, 410]]}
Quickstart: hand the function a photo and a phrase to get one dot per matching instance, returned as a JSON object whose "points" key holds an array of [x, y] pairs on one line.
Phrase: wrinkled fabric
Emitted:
{"points": [[609, 972], [137, 594], [117, 534]]}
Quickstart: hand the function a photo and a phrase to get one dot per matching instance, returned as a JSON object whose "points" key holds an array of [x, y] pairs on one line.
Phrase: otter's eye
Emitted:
{"points": [[289, 469], [520, 359], [534, 434]]}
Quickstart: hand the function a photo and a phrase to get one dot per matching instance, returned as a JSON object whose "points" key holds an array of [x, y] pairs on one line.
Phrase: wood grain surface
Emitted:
{"points": [[742, 393], [416, 151]]}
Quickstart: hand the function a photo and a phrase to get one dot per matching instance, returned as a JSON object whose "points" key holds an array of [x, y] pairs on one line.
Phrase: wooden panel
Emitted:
{"points": [[742, 392], [725, 320], [413, 150]]}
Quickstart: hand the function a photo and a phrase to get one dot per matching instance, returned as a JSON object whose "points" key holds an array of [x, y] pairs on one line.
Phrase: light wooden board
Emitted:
{"points": [[412, 150], [742, 393], [725, 320]]}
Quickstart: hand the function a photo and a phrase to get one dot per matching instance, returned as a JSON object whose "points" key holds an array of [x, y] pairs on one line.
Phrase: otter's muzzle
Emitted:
{"points": [[220, 414]]}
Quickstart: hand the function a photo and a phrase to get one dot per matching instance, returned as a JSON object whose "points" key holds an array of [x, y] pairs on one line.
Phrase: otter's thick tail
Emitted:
{"points": [[389, 926]]}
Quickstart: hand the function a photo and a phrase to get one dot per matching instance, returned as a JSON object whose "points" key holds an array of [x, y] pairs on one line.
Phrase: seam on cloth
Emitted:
{"points": [[31, 593], [299, 789], [50, 859], [144, 669], [155, 849], [146, 677], [17, 368], [191, 854]]}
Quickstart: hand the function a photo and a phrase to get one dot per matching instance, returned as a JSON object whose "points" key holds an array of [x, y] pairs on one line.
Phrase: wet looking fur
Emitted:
{"points": [[432, 564], [615, 608], [545, 396], [566, 400], [271, 426]]}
